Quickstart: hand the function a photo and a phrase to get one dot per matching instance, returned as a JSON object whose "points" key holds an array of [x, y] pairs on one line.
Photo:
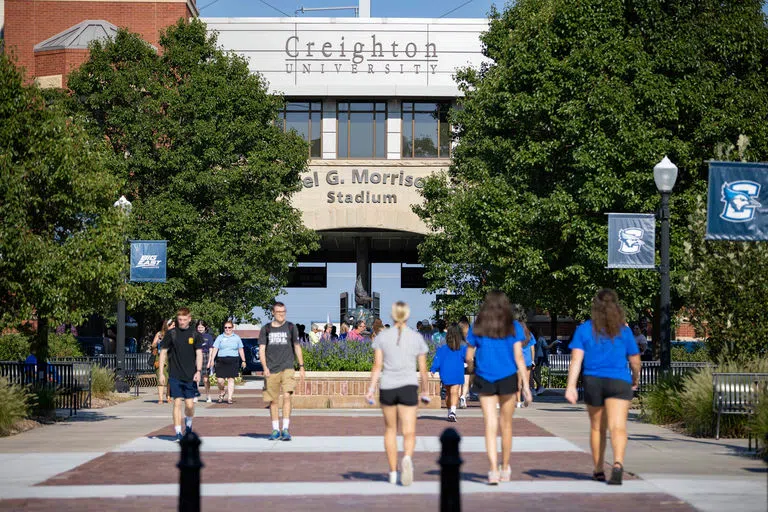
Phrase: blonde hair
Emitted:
{"points": [[400, 312]]}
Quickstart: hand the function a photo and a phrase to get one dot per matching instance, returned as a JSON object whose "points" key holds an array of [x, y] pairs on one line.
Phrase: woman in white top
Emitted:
{"points": [[395, 351]]}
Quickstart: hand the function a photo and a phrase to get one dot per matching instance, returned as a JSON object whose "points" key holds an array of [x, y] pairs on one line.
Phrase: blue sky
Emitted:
{"points": [[379, 8]]}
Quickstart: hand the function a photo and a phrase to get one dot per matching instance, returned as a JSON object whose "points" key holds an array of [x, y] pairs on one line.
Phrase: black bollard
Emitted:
{"points": [[450, 462], [189, 473]]}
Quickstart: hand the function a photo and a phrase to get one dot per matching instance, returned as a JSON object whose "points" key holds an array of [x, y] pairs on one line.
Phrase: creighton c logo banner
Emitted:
{"points": [[631, 240], [148, 260], [737, 207]]}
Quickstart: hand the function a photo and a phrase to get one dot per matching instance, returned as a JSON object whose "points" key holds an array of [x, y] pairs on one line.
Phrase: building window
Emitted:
{"points": [[362, 129], [426, 132], [306, 118]]}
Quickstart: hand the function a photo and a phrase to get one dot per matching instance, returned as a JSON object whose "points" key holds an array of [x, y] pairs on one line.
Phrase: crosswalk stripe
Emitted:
{"points": [[324, 489], [337, 444]]}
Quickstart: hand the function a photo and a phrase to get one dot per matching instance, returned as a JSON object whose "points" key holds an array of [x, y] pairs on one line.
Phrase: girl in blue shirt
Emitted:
{"points": [[495, 352], [227, 351], [449, 361], [605, 344]]}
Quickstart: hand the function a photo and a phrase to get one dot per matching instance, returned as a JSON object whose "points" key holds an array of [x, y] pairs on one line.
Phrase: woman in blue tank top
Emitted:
{"points": [[605, 344]]}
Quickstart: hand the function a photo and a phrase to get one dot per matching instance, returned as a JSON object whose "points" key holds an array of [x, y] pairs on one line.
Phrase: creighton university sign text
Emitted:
{"points": [[371, 56]]}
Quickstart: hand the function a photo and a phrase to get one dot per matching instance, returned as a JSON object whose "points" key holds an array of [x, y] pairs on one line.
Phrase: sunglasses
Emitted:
{"points": [[228, 327]]}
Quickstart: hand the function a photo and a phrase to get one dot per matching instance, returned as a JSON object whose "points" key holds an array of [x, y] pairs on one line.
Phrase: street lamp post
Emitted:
{"points": [[124, 205], [665, 175]]}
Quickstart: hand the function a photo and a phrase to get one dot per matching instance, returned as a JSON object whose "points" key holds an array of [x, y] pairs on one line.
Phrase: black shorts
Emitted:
{"points": [[597, 389], [406, 395], [185, 389], [505, 386]]}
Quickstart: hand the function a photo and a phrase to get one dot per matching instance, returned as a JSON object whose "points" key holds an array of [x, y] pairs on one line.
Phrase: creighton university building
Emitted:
{"points": [[371, 97]]}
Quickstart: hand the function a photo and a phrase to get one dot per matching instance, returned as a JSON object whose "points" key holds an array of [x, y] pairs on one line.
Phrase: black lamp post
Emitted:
{"points": [[665, 174], [124, 205]]}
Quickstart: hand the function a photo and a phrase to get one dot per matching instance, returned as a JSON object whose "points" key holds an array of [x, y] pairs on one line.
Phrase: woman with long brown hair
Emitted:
{"points": [[157, 345], [604, 344], [395, 352], [496, 353]]}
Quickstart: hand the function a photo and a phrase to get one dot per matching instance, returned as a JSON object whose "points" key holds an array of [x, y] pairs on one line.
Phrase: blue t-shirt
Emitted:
{"points": [[228, 345], [495, 357], [605, 357], [527, 350], [450, 364]]}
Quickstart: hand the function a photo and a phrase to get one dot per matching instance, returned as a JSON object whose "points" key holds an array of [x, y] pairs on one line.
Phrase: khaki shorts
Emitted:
{"points": [[285, 379]]}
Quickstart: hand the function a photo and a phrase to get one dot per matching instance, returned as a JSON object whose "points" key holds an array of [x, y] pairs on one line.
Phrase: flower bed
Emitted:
{"points": [[346, 355]]}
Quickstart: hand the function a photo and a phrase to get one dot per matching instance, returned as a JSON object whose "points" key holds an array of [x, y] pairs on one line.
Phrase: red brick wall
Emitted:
{"points": [[58, 62], [28, 22]]}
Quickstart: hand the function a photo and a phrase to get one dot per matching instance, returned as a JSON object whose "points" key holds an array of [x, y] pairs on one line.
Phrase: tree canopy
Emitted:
{"points": [[577, 102], [204, 164], [61, 240]]}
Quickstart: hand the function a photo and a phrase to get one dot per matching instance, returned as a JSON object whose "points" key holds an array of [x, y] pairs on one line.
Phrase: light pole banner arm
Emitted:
{"points": [[148, 260], [737, 205], [631, 240]]}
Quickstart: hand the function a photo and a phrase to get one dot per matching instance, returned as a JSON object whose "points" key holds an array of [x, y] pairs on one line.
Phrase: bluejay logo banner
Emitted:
{"points": [[737, 206], [148, 258], [631, 240]]}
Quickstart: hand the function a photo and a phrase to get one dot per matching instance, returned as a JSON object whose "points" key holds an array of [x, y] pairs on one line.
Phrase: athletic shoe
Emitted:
{"points": [[462, 403], [493, 478], [209, 399], [393, 477], [178, 437], [194, 400], [452, 417], [286, 435], [505, 475], [406, 477], [274, 436], [519, 405]]}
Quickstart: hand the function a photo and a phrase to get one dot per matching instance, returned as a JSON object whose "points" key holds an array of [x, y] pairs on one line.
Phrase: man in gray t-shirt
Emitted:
{"points": [[278, 350]]}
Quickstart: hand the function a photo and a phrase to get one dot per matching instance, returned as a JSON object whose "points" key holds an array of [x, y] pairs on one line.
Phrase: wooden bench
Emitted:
{"points": [[737, 393]]}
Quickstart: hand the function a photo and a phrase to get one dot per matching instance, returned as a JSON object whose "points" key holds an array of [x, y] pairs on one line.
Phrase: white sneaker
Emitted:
{"points": [[209, 399], [406, 477], [462, 403], [519, 405], [498, 406], [393, 477], [194, 400]]}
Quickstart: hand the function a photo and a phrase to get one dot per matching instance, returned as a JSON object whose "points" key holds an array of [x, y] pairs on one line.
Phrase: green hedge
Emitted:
{"points": [[14, 347]]}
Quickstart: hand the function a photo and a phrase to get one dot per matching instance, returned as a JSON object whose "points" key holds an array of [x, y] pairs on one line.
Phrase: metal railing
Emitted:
{"points": [[70, 381]]}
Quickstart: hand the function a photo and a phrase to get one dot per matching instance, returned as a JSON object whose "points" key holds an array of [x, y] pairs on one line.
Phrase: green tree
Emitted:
{"points": [[204, 164], [564, 124], [61, 243]]}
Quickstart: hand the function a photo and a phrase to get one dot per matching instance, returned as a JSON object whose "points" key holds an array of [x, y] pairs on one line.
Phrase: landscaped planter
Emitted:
{"points": [[345, 390]]}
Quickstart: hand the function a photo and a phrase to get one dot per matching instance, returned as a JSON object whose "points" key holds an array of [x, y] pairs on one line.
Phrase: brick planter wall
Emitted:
{"points": [[323, 390]]}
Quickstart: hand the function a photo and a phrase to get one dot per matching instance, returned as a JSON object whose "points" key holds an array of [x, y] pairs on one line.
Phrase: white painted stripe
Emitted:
{"points": [[19, 469], [361, 488], [336, 444]]}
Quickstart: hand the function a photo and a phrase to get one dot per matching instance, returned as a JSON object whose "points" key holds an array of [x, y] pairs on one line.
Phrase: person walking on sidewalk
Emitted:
{"points": [[229, 355], [279, 349], [496, 353], [604, 344], [395, 351], [207, 345], [449, 361], [182, 349], [464, 327], [157, 346]]}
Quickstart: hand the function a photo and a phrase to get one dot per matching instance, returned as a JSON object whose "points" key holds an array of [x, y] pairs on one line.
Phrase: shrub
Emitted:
{"points": [[102, 381], [44, 399], [696, 355], [14, 347], [63, 345], [14, 405], [662, 404], [556, 381], [347, 355]]}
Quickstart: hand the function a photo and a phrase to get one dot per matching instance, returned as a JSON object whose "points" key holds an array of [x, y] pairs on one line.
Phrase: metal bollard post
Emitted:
{"points": [[450, 462], [189, 473]]}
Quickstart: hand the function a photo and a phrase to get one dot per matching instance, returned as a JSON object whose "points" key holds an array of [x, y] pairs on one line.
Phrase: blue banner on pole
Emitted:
{"points": [[737, 206], [631, 240], [148, 259]]}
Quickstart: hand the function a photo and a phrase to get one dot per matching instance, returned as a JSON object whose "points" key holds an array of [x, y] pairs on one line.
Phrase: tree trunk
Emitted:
{"points": [[41, 339]]}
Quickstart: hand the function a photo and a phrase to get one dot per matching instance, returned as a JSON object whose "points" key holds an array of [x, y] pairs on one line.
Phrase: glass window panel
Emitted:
{"points": [[316, 106], [343, 133], [426, 107], [425, 136], [343, 107], [361, 107], [381, 107], [445, 140], [361, 135], [315, 144], [381, 136], [297, 106], [407, 150], [297, 121]]}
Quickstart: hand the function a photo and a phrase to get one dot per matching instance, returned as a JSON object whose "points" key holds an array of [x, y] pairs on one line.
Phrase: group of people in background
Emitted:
{"points": [[497, 354]]}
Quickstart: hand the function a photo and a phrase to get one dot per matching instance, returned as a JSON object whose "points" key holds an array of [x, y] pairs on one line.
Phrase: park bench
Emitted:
{"points": [[737, 393], [558, 366]]}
